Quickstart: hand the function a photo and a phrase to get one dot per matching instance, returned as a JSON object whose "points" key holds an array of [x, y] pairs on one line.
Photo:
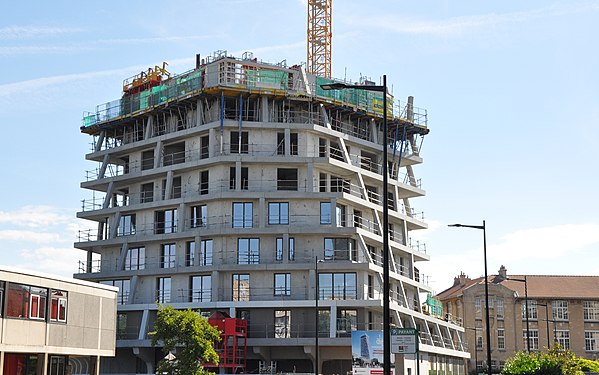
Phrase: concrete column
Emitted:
{"points": [[264, 114], [88, 266], [99, 142], [214, 285], [199, 112], [310, 178], [149, 128], [238, 175], [333, 322], [262, 212], [211, 136], [158, 154], [169, 185], [287, 141], [102, 170], [122, 256], [181, 215]]}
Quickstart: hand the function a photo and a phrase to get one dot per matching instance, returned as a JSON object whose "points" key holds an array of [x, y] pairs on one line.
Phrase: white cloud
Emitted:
{"points": [[29, 236], [53, 260], [36, 216], [24, 32]]}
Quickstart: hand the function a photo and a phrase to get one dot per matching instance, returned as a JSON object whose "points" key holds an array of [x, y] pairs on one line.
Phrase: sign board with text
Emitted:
{"points": [[404, 340]]}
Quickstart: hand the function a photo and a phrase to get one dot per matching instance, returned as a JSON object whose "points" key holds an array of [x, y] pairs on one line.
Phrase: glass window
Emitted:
{"points": [[340, 249], [206, 252], [204, 147], [282, 284], [37, 302], [58, 306], [233, 178], [563, 338], [135, 259], [198, 216], [534, 339], [291, 249], [124, 288], [279, 248], [591, 341], [340, 286], [479, 339], [501, 339], [239, 146], [499, 308], [241, 287], [126, 225], [591, 310], [278, 213], [325, 212], [147, 193], [242, 215], [324, 323], [532, 310], [165, 221], [168, 255], [163, 290], [200, 288], [190, 253], [560, 310], [248, 251], [282, 324], [347, 321], [340, 215]]}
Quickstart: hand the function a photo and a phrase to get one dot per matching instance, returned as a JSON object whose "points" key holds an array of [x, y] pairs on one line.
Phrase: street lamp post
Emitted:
{"points": [[488, 324], [316, 298], [386, 282], [525, 281]]}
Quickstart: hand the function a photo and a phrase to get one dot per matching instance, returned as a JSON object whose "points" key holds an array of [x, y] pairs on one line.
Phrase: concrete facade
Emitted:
{"points": [[194, 215], [53, 325], [557, 313]]}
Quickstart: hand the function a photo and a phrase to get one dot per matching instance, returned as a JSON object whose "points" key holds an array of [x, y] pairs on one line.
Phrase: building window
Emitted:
{"points": [[534, 339], [291, 249], [477, 307], [204, 183], [176, 192], [241, 287], [591, 310], [278, 213], [200, 288], [204, 147], [58, 306], [478, 338], [121, 326], [190, 253], [174, 154], [499, 308], [591, 341], [135, 259], [501, 339], [287, 179], [168, 255], [339, 286], [340, 249], [233, 178], [57, 365], [340, 215], [147, 160], [340, 185], [322, 183], [165, 221], [282, 284], [347, 322], [560, 310], [124, 288], [248, 251], [293, 146], [239, 146], [242, 214], [199, 216], [325, 213], [324, 323], [126, 225], [147, 193], [163, 290], [563, 339], [279, 248], [280, 143], [370, 286], [206, 252], [282, 324], [38, 299], [532, 310]]}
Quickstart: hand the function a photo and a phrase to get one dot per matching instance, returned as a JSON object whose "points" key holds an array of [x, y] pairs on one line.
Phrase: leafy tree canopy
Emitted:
{"points": [[189, 336], [557, 361]]}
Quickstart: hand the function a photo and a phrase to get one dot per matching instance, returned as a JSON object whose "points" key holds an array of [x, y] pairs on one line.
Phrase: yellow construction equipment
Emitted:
{"points": [[320, 37], [145, 80]]}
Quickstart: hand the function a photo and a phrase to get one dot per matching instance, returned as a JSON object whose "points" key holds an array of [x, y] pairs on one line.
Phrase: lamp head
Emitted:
{"points": [[333, 86]]}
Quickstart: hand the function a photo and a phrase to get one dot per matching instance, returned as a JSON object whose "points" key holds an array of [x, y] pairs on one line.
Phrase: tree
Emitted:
{"points": [[190, 336], [557, 361]]}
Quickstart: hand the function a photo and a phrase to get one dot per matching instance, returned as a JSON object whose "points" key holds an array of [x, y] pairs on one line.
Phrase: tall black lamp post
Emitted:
{"points": [[386, 283], [488, 324], [525, 281]]}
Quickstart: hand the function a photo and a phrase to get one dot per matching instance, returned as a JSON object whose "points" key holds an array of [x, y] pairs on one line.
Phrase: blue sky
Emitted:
{"points": [[511, 89]]}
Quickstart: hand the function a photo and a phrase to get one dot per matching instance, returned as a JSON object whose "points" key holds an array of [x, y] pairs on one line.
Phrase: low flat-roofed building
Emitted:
{"points": [[54, 325]]}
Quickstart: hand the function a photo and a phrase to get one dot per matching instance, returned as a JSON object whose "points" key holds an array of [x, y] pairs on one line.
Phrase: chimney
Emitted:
{"points": [[460, 279], [502, 272]]}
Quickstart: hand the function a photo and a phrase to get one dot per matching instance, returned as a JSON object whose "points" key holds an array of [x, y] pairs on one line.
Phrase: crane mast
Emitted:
{"points": [[319, 37]]}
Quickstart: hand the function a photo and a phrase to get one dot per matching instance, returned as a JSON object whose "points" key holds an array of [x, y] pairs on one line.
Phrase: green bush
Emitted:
{"points": [[557, 361]]}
